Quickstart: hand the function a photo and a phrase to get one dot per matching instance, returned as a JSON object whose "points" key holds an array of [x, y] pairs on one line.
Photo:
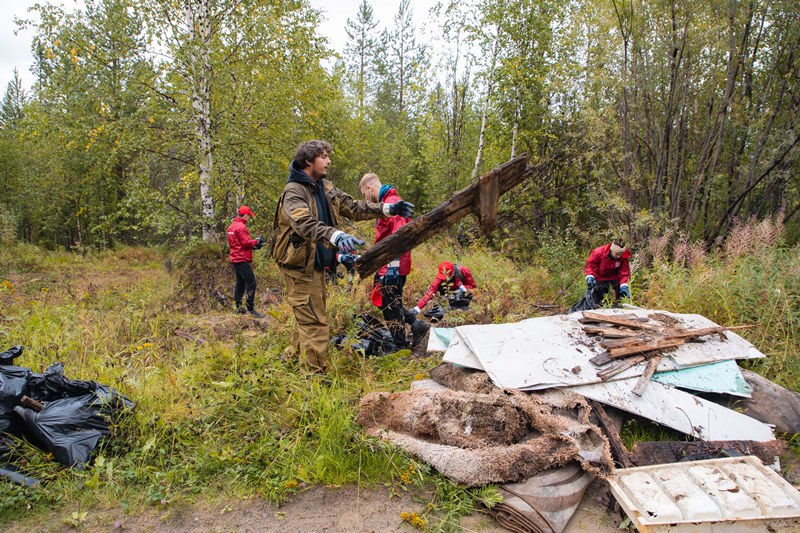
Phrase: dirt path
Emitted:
{"points": [[344, 509]]}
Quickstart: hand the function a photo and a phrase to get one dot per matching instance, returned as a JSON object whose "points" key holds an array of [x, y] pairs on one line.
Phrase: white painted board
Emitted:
{"points": [[678, 410], [544, 352], [734, 494]]}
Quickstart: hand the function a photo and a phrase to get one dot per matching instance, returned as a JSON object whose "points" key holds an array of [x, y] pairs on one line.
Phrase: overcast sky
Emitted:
{"points": [[15, 50]]}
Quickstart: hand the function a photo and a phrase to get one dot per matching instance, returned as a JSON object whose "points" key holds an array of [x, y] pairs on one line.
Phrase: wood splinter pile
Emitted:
{"points": [[629, 340]]}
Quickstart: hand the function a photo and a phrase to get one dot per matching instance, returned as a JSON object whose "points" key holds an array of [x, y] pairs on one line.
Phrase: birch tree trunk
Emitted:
{"points": [[198, 15], [486, 104]]}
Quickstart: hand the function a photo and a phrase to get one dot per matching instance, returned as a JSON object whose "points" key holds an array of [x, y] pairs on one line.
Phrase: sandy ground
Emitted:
{"points": [[324, 509]]}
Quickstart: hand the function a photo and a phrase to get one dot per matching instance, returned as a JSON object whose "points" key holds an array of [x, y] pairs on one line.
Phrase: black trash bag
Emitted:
{"points": [[460, 301], [70, 428], [586, 303], [10, 471], [434, 314], [9, 355], [374, 339], [52, 385], [13, 386]]}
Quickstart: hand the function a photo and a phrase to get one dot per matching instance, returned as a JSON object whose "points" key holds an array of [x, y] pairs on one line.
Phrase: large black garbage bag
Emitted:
{"points": [[373, 338], [459, 301], [70, 428], [13, 385], [52, 385], [434, 314], [9, 355], [587, 303]]}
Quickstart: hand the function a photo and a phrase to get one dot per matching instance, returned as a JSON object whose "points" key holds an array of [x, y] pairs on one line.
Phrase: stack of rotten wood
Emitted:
{"points": [[630, 340]]}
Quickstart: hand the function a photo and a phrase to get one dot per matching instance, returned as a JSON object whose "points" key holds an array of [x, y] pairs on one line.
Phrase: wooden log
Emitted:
{"points": [[488, 194], [463, 203], [618, 449], [664, 452], [31, 403], [610, 319], [644, 379], [600, 317]]}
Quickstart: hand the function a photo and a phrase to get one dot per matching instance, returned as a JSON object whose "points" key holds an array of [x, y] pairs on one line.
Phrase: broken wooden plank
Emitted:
{"points": [[644, 379], [662, 452], [620, 367], [618, 353], [488, 193], [612, 333], [626, 316], [618, 449], [29, 402], [432, 223], [615, 319], [600, 360]]}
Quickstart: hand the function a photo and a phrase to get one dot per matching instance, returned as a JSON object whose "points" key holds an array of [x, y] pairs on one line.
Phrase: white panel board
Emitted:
{"points": [[679, 410], [735, 494], [543, 352]]}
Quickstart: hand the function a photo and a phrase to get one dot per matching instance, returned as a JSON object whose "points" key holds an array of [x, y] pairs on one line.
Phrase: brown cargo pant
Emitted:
{"points": [[312, 331]]}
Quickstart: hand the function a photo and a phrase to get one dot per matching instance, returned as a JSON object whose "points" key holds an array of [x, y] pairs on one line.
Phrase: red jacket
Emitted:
{"points": [[240, 242], [603, 267], [452, 284], [386, 226]]}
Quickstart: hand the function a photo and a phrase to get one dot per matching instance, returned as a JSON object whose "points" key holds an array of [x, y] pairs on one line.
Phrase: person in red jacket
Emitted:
{"points": [[452, 278], [241, 256], [608, 267], [390, 279]]}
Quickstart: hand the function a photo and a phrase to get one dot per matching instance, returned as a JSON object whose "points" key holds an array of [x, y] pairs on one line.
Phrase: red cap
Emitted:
{"points": [[244, 210], [446, 271]]}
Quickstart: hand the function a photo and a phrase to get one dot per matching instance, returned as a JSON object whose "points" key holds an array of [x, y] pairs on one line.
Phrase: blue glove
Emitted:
{"points": [[261, 240], [347, 243], [392, 276], [402, 208], [416, 310], [590, 282], [462, 290], [624, 291], [348, 260]]}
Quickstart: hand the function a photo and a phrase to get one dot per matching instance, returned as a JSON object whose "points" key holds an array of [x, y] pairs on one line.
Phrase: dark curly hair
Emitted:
{"points": [[308, 151]]}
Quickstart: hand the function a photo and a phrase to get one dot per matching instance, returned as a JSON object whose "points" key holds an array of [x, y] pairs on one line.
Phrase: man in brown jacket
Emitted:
{"points": [[306, 242]]}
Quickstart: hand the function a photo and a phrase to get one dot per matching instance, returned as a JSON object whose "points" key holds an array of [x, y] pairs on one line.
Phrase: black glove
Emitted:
{"points": [[347, 243], [348, 260], [402, 208], [261, 240]]}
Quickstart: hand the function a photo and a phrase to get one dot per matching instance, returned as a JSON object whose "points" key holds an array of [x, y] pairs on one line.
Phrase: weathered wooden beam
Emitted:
{"points": [[463, 203], [611, 319], [488, 194], [619, 367], [644, 379], [663, 452], [618, 449]]}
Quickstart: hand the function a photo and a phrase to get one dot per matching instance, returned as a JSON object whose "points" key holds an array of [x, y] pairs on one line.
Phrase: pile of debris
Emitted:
{"points": [[65, 417], [537, 407]]}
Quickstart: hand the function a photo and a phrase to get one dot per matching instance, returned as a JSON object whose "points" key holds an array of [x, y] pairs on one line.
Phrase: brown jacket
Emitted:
{"points": [[297, 227]]}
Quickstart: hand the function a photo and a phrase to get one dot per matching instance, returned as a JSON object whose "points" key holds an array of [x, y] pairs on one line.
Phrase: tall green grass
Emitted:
{"points": [[223, 415]]}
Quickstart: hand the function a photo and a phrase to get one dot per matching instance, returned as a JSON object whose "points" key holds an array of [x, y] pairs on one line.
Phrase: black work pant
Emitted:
{"points": [[394, 314], [245, 283], [602, 287]]}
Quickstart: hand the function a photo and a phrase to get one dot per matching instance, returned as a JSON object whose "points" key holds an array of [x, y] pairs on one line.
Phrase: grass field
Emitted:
{"points": [[216, 411]]}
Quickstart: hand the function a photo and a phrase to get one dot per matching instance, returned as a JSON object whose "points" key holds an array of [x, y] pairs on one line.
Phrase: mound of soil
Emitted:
{"points": [[204, 279]]}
